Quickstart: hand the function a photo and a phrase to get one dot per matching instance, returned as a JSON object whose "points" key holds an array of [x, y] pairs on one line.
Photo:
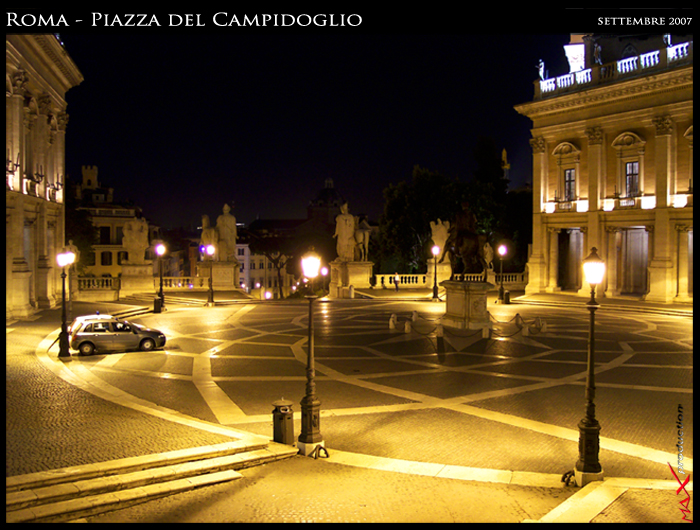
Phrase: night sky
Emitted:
{"points": [[181, 122]]}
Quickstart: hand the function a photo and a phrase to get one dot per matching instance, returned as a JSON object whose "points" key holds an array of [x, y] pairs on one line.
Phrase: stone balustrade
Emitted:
{"points": [[599, 74]]}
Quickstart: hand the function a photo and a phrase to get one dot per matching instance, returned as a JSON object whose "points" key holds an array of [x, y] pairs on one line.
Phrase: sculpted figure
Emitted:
{"points": [[209, 234], [362, 232], [135, 240], [345, 234], [440, 230], [488, 255], [464, 242], [226, 228]]}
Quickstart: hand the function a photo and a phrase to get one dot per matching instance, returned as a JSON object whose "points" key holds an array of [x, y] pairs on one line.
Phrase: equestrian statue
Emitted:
{"points": [[465, 243]]}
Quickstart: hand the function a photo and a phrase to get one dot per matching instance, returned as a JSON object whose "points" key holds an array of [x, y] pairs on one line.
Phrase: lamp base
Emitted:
{"points": [[305, 449], [583, 477]]}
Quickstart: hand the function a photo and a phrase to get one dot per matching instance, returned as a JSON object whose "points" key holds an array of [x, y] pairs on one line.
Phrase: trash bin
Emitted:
{"points": [[283, 422], [506, 297], [156, 304]]}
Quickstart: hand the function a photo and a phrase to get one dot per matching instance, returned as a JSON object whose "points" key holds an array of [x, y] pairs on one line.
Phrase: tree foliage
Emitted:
{"points": [[78, 227], [404, 228]]}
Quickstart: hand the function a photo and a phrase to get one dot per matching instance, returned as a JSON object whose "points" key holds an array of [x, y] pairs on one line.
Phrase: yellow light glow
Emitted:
{"points": [[65, 258], [310, 264], [608, 205], [549, 207], [648, 203], [435, 250], [593, 268]]}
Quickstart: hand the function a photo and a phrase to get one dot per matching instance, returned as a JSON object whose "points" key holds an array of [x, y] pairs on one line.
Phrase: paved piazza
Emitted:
{"points": [[511, 401]]}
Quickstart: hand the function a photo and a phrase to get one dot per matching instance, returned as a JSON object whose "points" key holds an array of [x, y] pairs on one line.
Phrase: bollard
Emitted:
{"points": [[156, 304], [414, 316], [283, 422], [407, 327], [506, 297], [351, 292], [392, 322]]}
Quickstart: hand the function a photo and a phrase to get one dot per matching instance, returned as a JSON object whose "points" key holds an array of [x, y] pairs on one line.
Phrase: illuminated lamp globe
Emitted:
{"points": [[593, 268]]}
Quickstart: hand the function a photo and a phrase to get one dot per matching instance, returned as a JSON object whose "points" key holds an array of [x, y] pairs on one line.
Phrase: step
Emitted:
{"points": [[72, 492], [72, 509], [136, 463]]}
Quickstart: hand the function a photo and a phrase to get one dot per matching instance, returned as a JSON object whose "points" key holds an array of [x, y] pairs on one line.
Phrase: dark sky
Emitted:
{"points": [[182, 122]]}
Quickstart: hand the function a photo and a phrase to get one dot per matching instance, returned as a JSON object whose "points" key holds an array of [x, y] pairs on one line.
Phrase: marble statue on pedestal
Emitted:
{"points": [[345, 234], [135, 240], [226, 229]]}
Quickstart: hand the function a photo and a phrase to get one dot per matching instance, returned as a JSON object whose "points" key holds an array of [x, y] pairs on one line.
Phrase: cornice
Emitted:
{"points": [[614, 93]]}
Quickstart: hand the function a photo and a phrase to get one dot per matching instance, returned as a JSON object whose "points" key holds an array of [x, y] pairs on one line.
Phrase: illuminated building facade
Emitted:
{"points": [[612, 145], [38, 73]]}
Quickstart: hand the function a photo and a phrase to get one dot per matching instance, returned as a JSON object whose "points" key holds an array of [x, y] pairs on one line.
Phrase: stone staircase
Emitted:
{"points": [[67, 494]]}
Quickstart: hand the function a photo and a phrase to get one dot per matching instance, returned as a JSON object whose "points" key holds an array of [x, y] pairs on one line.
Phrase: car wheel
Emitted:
{"points": [[148, 344], [86, 348]]}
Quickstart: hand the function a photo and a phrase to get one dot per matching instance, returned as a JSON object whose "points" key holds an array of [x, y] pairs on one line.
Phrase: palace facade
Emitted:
{"points": [[38, 73], [612, 145]]}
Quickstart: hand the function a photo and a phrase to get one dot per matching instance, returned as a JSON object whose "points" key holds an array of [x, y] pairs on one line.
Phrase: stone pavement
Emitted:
{"points": [[395, 414]]}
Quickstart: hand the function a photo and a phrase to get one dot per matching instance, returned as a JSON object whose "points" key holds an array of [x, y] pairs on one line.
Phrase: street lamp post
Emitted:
{"points": [[160, 250], [502, 251], [435, 250], [588, 467], [64, 259], [210, 249], [310, 439]]}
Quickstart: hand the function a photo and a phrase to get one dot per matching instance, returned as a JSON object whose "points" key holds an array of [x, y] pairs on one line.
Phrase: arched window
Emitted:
{"points": [[568, 158], [630, 167]]}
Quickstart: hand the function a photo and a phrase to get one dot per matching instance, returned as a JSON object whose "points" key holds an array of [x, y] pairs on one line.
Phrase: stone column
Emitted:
{"points": [[683, 293], [537, 262], [661, 281], [613, 261], [553, 262]]}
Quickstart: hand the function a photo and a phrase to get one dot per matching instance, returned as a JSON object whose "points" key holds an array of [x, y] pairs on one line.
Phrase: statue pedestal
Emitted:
{"points": [[225, 275], [466, 305], [349, 273], [137, 278]]}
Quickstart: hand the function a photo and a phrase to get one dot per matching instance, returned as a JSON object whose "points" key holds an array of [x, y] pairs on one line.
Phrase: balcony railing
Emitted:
{"points": [[628, 67]]}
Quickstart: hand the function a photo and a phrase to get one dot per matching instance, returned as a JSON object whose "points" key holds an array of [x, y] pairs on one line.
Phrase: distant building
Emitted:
{"points": [[109, 219], [38, 73], [612, 148]]}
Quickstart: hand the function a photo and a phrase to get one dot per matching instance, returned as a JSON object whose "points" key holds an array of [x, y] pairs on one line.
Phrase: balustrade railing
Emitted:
{"points": [[89, 283], [511, 280], [613, 71]]}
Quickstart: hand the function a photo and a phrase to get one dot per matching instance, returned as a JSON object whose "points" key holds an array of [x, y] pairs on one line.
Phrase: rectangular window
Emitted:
{"points": [[569, 184], [632, 179], [105, 236], [106, 258]]}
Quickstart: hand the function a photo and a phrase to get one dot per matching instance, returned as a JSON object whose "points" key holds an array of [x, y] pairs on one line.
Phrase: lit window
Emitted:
{"points": [[632, 179], [569, 184]]}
